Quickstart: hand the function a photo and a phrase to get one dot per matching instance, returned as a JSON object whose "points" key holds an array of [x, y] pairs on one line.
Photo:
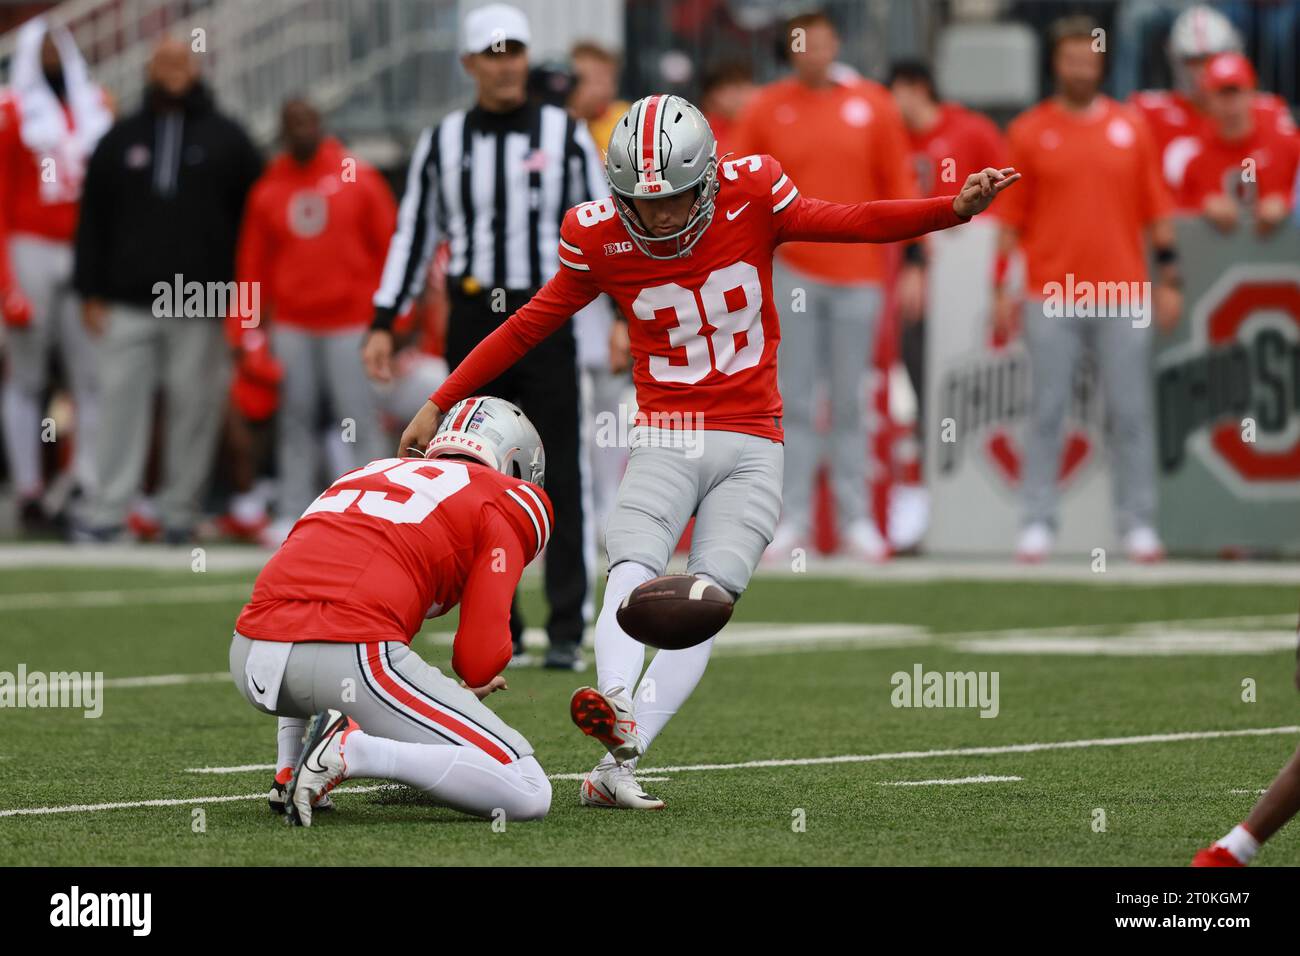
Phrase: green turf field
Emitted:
{"points": [[781, 694]]}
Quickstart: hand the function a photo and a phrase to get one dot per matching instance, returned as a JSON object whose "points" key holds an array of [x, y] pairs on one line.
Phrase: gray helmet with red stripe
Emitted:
{"points": [[494, 432], [663, 147]]}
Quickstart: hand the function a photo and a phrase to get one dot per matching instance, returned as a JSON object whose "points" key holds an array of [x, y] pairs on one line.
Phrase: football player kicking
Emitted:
{"points": [[1280, 802], [704, 332], [329, 626]]}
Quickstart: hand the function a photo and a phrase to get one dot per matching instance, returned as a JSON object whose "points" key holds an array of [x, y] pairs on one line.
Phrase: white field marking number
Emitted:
{"points": [[426, 492]]}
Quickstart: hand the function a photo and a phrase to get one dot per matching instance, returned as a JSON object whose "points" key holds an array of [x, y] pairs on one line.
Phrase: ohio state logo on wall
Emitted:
{"points": [[1230, 395], [987, 398]]}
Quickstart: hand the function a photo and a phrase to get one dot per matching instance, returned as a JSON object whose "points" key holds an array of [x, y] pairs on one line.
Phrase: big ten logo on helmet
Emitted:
{"points": [[1241, 361], [986, 398]]}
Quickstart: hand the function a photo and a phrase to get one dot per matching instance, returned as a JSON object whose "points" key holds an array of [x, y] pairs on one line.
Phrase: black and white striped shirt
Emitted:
{"points": [[496, 186]]}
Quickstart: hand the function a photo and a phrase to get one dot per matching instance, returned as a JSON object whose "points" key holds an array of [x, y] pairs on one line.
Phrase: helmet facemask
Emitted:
{"points": [[679, 243]]}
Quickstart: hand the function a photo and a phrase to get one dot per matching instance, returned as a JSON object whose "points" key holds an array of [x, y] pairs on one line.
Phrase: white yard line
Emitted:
{"points": [[181, 802], [709, 767], [125, 597], [1077, 569], [982, 778]]}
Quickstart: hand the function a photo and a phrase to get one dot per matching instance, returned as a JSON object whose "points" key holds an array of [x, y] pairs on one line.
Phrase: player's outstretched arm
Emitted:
{"points": [[541, 315], [888, 220]]}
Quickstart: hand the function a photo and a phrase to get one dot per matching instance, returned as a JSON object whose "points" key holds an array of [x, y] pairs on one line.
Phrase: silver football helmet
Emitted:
{"points": [[494, 432], [1202, 31], [662, 147]]}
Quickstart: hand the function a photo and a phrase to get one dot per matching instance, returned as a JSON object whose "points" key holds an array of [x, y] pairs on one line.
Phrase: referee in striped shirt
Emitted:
{"points": [[495, 181]]}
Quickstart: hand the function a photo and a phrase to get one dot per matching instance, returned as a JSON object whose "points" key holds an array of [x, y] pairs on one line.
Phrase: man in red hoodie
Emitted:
{"points": [[314, 238]]}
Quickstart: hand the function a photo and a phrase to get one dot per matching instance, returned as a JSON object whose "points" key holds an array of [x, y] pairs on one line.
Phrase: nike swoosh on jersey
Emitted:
{"points": [[733, 213]]}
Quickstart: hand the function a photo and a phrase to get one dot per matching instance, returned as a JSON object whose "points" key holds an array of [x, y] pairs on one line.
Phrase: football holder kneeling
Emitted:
{"points": [[675, 611]]}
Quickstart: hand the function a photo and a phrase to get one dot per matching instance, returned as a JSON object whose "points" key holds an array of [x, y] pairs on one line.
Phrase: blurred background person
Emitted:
{"points": [[1243, 168], [314, 237], [1178, 117], [604, 356], [724, 95], [595, 99], [496, 180], [948, 143], [841, 139], [50, 120], [163, 198], [1092, 192]]}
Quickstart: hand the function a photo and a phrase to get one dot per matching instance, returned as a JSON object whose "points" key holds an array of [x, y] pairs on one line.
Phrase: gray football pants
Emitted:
{"points": [[386, 688], [831, 342], [189, 359], [730, 481], [319, 365], [1122, 352], [43, 271]]}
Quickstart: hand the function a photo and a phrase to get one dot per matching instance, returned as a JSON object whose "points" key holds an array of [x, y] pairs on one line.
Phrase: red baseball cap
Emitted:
{"points": [[1227, 70]]}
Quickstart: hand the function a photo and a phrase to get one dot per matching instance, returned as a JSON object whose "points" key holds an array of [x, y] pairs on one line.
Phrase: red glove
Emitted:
{"points": [[17, 310]]}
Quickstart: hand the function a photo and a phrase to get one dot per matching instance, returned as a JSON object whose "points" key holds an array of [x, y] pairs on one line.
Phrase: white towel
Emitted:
{"points": [[44, 126], [264, 671]]}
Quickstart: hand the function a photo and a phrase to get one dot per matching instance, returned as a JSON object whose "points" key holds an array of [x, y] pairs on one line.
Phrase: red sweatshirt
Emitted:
{"points": [[704, 328], [315, 237]]}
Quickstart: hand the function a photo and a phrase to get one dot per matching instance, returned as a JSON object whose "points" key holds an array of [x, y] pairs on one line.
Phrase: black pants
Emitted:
{"points": [[544, 383]]}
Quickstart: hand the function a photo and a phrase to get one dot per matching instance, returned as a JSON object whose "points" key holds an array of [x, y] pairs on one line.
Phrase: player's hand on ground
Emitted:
{"points": [[1168, 305], [910, 292], [981, 189], [377, 355], [94, 316], [1222, 213], [495, 684], [420, 432], [620, 347]]}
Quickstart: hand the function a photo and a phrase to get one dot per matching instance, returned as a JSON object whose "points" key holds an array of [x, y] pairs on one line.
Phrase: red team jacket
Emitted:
{"points": [[396, 542], [315, 237], [703, 327]]}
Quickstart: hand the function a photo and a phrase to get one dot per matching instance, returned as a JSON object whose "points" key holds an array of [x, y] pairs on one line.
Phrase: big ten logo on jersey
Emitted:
{"points": [[614, 248], [396, 490]]}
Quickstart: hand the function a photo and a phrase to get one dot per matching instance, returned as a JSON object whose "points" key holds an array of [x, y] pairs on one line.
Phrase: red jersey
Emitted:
{"points": [[30, 203], [1179, 127], [396, 542], [960, 143], [1219, 168], [1092, 186], [315, 237], [703, 327]]}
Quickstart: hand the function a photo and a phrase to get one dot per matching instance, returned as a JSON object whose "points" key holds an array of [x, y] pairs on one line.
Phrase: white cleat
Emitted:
{"points": [[616, 788], [1035, 543], [320, 767], [863, 542], [1144, 545], [608, 718]]}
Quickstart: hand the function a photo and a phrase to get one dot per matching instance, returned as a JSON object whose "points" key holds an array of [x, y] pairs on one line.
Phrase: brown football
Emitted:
{"points": [[675, 611]]}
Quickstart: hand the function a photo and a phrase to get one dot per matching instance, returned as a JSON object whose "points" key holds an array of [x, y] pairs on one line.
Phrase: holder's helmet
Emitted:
{"points": [[494, 432]]}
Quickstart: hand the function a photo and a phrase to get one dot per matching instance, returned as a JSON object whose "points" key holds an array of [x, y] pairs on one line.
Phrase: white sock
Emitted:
{"points": [[619, 657], [668, 682], [22, 437], [462, 778], [288, 741], [1240, 844]]}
